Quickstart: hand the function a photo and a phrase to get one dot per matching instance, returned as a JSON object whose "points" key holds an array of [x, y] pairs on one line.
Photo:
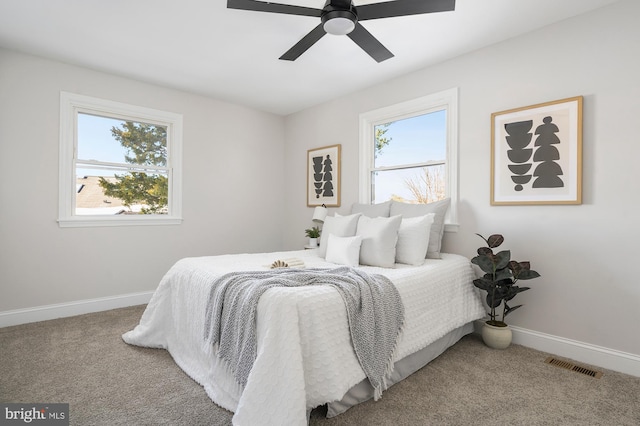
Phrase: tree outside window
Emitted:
{"points": [[127, 160], [119, 164]]}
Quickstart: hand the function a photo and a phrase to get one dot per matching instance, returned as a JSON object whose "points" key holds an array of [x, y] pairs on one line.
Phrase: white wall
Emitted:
{"points": [[589, 291], [233, 168]]}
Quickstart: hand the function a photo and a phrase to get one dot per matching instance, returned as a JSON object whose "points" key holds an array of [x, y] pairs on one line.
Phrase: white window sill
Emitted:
{"points": [[451, 227], [79, 221]]}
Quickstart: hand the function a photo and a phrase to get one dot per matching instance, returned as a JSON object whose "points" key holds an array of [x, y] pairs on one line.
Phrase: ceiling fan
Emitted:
{"points": [[342, 17]]}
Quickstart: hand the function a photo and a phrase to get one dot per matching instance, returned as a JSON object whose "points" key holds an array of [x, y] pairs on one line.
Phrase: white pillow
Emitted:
{"points": [[413, 239], [437, 229], [343, 250], [340, 226], [379, 238], [372, 210]]}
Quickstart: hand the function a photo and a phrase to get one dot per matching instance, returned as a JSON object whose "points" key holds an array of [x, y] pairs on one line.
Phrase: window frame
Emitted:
{"points": [[71, 105], [447, 100]]}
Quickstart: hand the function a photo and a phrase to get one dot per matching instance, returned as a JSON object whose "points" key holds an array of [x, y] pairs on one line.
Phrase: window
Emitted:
{"points": [[119, 164], [408, 152]]}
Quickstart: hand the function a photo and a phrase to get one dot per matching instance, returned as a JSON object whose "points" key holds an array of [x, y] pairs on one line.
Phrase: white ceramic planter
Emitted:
{"points": [[496, 337], [313, 242]]}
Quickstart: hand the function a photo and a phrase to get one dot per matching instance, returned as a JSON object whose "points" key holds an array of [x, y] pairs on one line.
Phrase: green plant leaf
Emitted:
{"points": [[485, 251], [495, 240], [312, 232], [509, 309], [502, 291], [493, 302], [502, 259], [485, 263], [503, 274], [514, 290], [515, 267], [506, 283], [527, 274], [511, 293], [483, 284]]}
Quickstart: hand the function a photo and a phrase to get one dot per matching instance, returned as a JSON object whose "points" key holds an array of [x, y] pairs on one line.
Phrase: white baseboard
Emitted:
{"points": [[600, 356], [587, 353], [69, 309]]}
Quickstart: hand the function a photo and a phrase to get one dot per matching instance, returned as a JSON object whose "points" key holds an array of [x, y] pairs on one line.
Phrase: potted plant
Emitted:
{"points": [[313, 234], [499, 281]]}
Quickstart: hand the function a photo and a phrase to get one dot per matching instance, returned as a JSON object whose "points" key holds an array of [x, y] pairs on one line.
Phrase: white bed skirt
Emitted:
{"points": [[363, 391]]}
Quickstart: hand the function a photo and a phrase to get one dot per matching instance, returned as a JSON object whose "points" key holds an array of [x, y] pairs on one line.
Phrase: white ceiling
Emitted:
{"points": [[201, 46]]}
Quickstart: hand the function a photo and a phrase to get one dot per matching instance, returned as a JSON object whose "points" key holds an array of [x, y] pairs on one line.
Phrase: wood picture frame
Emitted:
{"points": [[536, 154], [323, 176]]}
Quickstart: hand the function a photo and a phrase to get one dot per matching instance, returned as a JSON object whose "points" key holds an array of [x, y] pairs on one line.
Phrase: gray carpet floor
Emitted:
{"points": [[84, 362]]}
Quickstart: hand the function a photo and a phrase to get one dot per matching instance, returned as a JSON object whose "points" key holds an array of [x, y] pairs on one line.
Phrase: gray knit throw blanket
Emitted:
{"points": [[374, 310]]}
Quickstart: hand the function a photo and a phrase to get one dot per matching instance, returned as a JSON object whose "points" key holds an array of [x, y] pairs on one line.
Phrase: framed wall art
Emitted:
{"points": [[536, 154], [323, 176]]}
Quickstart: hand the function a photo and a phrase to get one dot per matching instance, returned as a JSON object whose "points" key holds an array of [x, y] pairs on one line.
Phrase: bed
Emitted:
{"points": [[306, 351], [305, 358]]}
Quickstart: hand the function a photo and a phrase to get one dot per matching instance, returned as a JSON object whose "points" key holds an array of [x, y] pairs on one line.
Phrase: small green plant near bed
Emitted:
{"points": [[500, 277], [312, 232]]}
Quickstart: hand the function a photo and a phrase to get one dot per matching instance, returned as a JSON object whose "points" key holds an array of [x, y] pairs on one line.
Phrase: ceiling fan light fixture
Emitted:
{"points": [[339, 26], [339, 22]]}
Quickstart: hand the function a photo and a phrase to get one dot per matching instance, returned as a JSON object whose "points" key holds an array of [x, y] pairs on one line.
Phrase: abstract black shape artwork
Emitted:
{"points": [[518, 138], [536, 154], [318, 176], [548, 172], [323, 176]]}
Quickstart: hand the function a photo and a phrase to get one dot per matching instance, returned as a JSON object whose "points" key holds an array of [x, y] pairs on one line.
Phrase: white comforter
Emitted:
{"points": [[305, 357]]}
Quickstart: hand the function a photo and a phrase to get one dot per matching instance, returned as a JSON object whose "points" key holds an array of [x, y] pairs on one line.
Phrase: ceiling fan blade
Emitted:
{"points": [[394, 8], [260, 6], [369, 44], [307, 41]]}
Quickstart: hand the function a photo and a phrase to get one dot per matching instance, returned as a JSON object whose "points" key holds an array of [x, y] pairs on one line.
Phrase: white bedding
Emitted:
{"points": [[305, 357]]}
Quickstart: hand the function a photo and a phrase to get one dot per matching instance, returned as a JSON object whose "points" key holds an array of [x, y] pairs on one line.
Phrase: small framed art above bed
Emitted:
{"points": [[323, 176], [302, 344]]}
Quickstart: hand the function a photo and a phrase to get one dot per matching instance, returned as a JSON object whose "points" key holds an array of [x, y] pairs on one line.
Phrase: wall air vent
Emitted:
{"points": [[573, 367]]}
